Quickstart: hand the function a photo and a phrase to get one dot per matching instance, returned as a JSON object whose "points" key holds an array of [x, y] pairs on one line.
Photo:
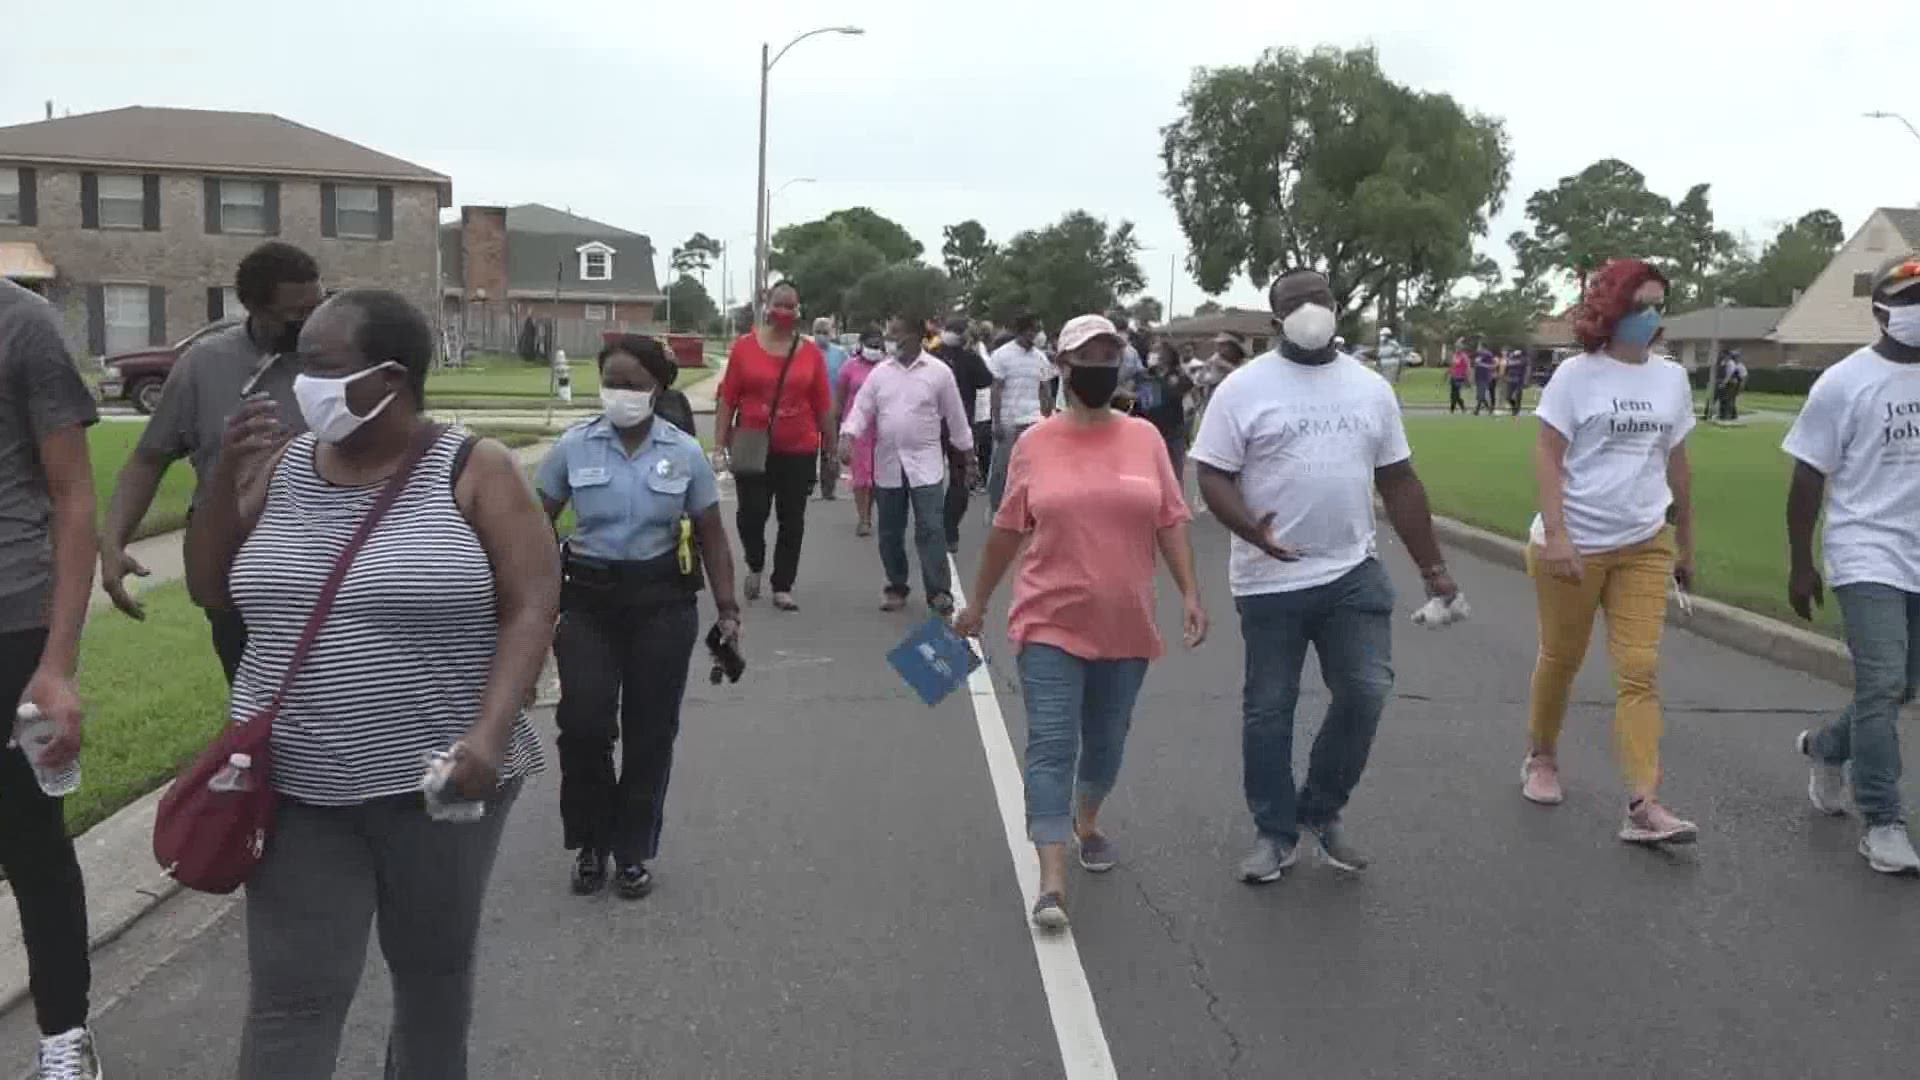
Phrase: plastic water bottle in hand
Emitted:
{"points": [[235, 775], [443, 804], [33, 731]]}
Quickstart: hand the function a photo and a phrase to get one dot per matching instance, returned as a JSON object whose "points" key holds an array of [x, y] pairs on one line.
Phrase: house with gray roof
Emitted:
{"points": [[132, 221], [1833, 317], [1691, 337], [502, 265]]}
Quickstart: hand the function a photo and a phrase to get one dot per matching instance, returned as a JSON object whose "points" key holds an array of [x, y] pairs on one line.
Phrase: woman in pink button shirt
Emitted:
{"points": [[1091, 495]]}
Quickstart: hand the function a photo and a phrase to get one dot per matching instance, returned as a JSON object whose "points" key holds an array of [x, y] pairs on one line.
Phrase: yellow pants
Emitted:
{"points": [[1630, 585]]}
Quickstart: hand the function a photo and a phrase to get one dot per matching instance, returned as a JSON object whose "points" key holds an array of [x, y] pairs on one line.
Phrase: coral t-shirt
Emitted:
{"points": [[1092, 499], [748, 385]]}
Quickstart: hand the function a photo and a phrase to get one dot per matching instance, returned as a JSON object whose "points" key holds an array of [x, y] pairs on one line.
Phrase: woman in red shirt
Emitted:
{"points": [[1092, 495], [802, 423]]}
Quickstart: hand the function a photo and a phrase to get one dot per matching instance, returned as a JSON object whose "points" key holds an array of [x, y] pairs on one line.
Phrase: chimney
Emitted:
{"points": [[483, 253]]}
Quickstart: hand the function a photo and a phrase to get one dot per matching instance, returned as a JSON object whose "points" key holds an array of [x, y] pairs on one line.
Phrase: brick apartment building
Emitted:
{"points": [[133, 220]]}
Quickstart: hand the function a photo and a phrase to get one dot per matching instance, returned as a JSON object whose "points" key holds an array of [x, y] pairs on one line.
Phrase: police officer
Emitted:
{"points": [[647, 504]]}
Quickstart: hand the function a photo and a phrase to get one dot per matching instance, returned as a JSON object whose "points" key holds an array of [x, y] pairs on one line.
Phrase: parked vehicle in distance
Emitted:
{"points": [[138, 376]]}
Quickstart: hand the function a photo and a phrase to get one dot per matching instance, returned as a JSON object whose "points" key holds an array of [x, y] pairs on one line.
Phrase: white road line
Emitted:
{"points": [[1076, 1022]]}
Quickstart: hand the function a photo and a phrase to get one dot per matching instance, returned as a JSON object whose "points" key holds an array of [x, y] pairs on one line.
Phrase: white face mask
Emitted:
{"points": [[1310, 327], [1903, 323], [323, 404], [949, 338], [626, 408], [872, 355]]}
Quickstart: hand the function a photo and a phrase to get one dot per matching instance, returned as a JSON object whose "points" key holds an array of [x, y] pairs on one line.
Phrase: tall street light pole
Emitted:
{"points": [[760, 183], [766, 219], [1883, 115]]}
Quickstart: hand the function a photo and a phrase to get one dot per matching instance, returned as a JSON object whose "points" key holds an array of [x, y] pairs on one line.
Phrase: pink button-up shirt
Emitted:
{"points": [[906, 405]]}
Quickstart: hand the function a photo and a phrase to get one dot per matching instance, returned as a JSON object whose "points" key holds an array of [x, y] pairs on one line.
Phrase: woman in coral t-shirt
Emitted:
{"points": [[1092, 495], [802, 423]]}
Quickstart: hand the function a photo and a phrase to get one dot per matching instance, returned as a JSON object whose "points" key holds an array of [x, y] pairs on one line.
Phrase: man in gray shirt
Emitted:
{"points": [[46, 572], [279, 285]]}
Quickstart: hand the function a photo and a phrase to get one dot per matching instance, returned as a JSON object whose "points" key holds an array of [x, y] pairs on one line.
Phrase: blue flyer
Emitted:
{"points": [[934, 660]]}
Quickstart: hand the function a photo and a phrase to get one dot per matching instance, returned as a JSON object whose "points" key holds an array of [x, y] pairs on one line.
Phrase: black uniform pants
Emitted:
{"points": [[41, 866], [623, 673]]}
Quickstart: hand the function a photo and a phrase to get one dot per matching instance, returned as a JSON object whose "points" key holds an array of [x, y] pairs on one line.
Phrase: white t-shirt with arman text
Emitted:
{"points": [[1019, 372], [1861, 429], [1304, 440], [1621, 421]]}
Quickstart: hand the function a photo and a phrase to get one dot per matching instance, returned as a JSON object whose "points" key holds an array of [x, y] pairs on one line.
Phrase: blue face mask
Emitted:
{"points": [[1638, 328]]}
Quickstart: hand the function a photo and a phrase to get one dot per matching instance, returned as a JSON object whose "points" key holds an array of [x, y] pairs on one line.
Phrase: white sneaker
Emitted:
{"points": [[1888, 849], [1827, 787], [70, 1056]]}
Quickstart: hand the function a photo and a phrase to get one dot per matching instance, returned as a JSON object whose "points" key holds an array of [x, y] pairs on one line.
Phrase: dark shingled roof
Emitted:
{"points": [[201, 140], [541, 240]]}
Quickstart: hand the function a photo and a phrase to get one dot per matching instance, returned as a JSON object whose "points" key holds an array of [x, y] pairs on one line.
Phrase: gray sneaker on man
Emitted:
{"points": [[1827, 787], [1334, 847], [68, 1056], [1889, 849], [1268, 860]]}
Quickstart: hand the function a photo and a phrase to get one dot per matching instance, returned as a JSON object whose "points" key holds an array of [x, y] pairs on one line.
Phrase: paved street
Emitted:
{"points": [[836, 897]]}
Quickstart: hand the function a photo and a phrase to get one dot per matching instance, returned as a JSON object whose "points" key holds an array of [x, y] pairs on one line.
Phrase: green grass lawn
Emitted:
{"points": [[155, 697], [1427, 387], [1481, 472], [505, 384], [109, 444]]}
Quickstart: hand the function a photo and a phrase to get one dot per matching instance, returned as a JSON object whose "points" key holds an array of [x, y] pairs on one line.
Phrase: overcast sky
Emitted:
{"points": [[642, 113]]}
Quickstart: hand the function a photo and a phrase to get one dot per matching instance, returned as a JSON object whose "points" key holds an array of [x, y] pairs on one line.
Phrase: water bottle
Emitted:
{"points": [[33, 731], [443, 804], [235, 775]]}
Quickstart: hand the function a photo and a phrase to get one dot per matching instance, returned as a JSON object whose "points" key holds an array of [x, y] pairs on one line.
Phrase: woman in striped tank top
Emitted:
{"points": [[435, 641]]}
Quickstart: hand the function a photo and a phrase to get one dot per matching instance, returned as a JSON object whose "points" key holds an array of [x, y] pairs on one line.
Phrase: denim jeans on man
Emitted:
{"points": [[1348, 622], [929, 537], [1077, 710], [1002, 455], [1883, 634]]}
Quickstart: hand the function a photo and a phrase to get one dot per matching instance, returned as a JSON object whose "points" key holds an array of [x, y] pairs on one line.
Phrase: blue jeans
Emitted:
{"points": [[997, 475], [1349, 624], [929, 537], [1883, 634], [1075, 709]]}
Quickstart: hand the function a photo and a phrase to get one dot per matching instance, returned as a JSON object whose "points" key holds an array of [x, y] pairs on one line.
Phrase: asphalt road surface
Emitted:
{"points": [[836, 896]]}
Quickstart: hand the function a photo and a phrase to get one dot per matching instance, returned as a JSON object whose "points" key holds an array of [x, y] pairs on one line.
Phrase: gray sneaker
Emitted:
{"points": [[1268, 860], [1888, 849], [68, 1056], [1827, 787], [1334, 847], [1098, 854]]}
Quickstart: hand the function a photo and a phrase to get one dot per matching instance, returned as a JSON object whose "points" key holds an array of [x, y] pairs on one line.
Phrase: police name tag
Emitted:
{"points": [[588, 477]]}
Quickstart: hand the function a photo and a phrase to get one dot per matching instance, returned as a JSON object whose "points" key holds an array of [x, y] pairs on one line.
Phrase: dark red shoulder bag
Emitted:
{"points": [[210, 840]]}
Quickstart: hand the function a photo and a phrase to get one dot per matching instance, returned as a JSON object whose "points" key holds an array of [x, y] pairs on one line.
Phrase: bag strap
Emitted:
{"points": [[780, 387], [423, 441]]}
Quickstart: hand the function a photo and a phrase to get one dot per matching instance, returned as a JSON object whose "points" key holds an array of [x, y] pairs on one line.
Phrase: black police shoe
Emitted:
{"points": [[589, 872], [634, 882]]}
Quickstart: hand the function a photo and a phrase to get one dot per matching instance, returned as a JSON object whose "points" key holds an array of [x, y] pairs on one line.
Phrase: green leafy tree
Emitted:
{"points": [[696, 255], [792, 243], [1207, 307], [828, 265], [965, 251], [1146, 310], [1318, 160], [1072, 267], [904, 288], [1698, 251], [1789, 262], [1602, 212], [689, 305], [1502, 316]]}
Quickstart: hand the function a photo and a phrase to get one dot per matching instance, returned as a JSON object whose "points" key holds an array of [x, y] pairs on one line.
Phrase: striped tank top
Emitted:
{"points": [[401, 665]]}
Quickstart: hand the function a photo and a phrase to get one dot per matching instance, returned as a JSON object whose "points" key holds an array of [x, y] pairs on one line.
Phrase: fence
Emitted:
{"points": [[486, 328]]}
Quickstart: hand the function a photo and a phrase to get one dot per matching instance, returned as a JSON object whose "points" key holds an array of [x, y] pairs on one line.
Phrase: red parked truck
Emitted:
{"points": [[137, 376]]}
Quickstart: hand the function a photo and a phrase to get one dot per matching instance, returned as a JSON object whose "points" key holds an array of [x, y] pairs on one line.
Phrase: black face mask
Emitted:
{"points": [[1310, 357], [1093, 387], [289, 339]]}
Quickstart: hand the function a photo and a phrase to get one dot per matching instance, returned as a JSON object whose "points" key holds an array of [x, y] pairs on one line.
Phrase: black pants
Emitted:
{"points": [[1455, 403], [958, 496], [40, 864], [983, 448], [781, 491], [1516, 396], [623, 672], [229, 638]]}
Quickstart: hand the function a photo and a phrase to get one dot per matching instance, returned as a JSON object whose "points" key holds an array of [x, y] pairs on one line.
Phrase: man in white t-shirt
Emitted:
{"points": [[1857, 448], [1293, 446], [1019, 371]]}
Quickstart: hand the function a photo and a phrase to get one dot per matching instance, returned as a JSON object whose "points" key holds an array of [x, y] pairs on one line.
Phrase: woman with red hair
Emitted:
{"points": [[1615, 526]]}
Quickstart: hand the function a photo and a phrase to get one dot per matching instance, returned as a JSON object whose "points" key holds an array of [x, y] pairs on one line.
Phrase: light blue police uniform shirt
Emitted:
{"points": [[627, 506]]}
